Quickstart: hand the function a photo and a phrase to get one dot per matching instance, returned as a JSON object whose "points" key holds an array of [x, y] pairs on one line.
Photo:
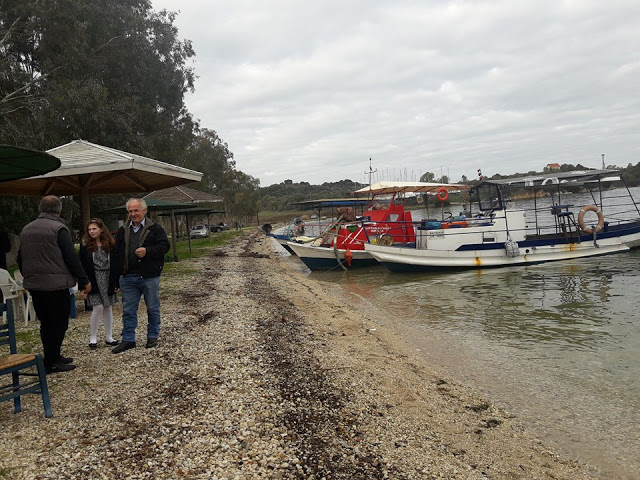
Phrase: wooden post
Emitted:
{"points": [[84, 207], [186, 216], [173, 236]]}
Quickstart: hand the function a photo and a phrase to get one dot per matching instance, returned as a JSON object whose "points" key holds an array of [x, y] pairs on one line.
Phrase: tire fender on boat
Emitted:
{"points": [[442, 194], [590, 208], [385, 239]]}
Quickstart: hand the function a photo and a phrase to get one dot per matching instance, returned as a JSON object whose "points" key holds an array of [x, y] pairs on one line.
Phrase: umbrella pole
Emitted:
{"points": [[84, 207], [173, 236]]}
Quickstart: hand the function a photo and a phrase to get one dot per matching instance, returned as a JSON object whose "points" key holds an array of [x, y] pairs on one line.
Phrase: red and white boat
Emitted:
{"points": [[384, 222]]}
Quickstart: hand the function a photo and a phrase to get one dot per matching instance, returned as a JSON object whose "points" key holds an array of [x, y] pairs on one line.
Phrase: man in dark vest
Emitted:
{"points": [[138, 258], [50, 266]]}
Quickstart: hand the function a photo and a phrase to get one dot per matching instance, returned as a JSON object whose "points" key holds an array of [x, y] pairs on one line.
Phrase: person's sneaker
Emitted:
{"points": [[65, 360], [124, 346], [93, 345], [112, 343], [151, 343], [59, 367]]}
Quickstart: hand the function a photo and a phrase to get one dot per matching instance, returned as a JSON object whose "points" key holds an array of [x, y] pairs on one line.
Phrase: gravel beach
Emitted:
{"points": [[260, 372]]}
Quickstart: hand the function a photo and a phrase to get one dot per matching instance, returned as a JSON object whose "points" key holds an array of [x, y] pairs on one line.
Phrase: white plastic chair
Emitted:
{"points": [[11, 291], [29, 310]]}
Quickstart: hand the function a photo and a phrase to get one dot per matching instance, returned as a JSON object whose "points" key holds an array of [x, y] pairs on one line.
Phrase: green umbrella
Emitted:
{"points": [[18, 162]]}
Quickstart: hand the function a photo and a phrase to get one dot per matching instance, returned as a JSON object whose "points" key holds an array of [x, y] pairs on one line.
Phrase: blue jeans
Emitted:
{"points": [[132, 288]]}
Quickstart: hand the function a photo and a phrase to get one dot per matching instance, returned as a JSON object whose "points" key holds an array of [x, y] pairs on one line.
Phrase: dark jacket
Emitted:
{"points": [[86, 259], [47, 258], [5, 247], [153, 238]]}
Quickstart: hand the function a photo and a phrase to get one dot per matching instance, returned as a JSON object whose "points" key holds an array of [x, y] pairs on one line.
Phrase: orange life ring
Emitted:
{"points": [[442, 194], [590, 208]]}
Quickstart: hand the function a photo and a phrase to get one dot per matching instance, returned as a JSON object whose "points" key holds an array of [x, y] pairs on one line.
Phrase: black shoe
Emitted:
{"points": [[59, 367], [151, 343], [65, 360], [113, 343], [124, 346], [93, 346]]}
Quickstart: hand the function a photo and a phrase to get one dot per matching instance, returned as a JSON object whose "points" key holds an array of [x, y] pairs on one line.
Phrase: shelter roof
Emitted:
{"points": [[152, 205], [184, 195], [96, 169], [193, 211]]}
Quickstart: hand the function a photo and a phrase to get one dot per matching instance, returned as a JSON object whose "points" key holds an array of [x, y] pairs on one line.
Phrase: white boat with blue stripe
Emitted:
{"points": [[525, 220]]}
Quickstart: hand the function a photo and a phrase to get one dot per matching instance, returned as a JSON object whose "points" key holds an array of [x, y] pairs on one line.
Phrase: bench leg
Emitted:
{"points": [[17, 404], [44, 389]]}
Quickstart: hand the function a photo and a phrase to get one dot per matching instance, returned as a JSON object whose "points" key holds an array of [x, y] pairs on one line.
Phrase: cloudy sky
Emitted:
{"points": [[309, 91]]}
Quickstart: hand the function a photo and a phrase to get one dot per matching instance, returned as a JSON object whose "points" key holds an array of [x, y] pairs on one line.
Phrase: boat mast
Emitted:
{"points": [[370, 172]]}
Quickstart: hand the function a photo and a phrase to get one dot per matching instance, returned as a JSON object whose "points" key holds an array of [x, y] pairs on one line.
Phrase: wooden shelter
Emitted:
{"points": [[90, 169]]}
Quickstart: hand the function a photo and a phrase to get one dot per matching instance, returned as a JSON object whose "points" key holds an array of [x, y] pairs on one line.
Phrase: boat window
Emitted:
{"points": [[393, 217], [489, 198]]}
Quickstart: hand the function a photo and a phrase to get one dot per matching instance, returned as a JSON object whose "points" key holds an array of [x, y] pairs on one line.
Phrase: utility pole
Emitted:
{"points": [[370, 172], [603, 161]]}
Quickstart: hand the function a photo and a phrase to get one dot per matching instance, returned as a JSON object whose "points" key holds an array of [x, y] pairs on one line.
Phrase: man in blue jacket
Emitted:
{"points": [[138, 259]]}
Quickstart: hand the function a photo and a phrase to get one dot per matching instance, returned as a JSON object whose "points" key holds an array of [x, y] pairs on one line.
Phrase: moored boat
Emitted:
{"points": [[500, 234], [307, 231], [385, 221]]}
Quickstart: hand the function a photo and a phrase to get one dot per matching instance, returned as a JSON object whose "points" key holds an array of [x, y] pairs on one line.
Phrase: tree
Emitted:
{"points": [[427, 177], [109, 71], [209, 154], [241, 193]]}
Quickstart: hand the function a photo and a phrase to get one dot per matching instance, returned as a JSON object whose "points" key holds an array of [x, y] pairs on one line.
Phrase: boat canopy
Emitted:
{"points": [[577, 177], [332, 202], [385, 188]]}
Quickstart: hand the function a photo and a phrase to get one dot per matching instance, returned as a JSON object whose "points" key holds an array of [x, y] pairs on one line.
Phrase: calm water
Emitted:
{"points": [[557, 344]]}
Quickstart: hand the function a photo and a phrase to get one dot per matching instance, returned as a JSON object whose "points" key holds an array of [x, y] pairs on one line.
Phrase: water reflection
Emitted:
{"points": [[557, 305]]}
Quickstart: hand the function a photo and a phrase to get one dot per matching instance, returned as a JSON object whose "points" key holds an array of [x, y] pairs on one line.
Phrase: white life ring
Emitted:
{"points": [[588, 230]]}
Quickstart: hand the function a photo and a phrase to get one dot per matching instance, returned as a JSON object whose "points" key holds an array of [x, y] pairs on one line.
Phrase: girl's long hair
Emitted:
{"points": [[106, 239]]}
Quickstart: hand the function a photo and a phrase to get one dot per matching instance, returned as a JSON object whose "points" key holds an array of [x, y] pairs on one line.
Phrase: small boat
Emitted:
{"points": [[384, 222], [541, 229], [310, 229]]}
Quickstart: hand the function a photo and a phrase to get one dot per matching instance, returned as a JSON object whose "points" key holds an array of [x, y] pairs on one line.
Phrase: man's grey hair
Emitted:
{"points": [[51, 204], [143, 203]]}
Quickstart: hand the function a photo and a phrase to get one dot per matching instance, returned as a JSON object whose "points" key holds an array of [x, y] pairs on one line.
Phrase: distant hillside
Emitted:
{"points": [[279, 197]]}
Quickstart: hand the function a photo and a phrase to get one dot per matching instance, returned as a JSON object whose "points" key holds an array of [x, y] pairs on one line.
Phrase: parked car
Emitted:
{"points": [[219, 227], [199, 231]]}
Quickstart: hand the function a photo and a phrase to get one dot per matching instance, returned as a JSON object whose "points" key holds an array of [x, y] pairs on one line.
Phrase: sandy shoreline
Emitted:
{"points": [[262, 373]]}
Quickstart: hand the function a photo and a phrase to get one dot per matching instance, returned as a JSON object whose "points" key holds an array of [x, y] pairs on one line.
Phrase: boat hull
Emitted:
{"points": [[326, 258], [399, 259]]}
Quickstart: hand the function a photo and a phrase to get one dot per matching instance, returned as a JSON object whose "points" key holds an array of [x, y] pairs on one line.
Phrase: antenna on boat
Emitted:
{"points": [[370, 172]]}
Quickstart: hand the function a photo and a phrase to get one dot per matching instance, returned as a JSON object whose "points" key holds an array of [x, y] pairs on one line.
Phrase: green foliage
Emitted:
{"points": [[279, 197], [427, 177], [112, 72], [631, 175], [208, 154]]}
